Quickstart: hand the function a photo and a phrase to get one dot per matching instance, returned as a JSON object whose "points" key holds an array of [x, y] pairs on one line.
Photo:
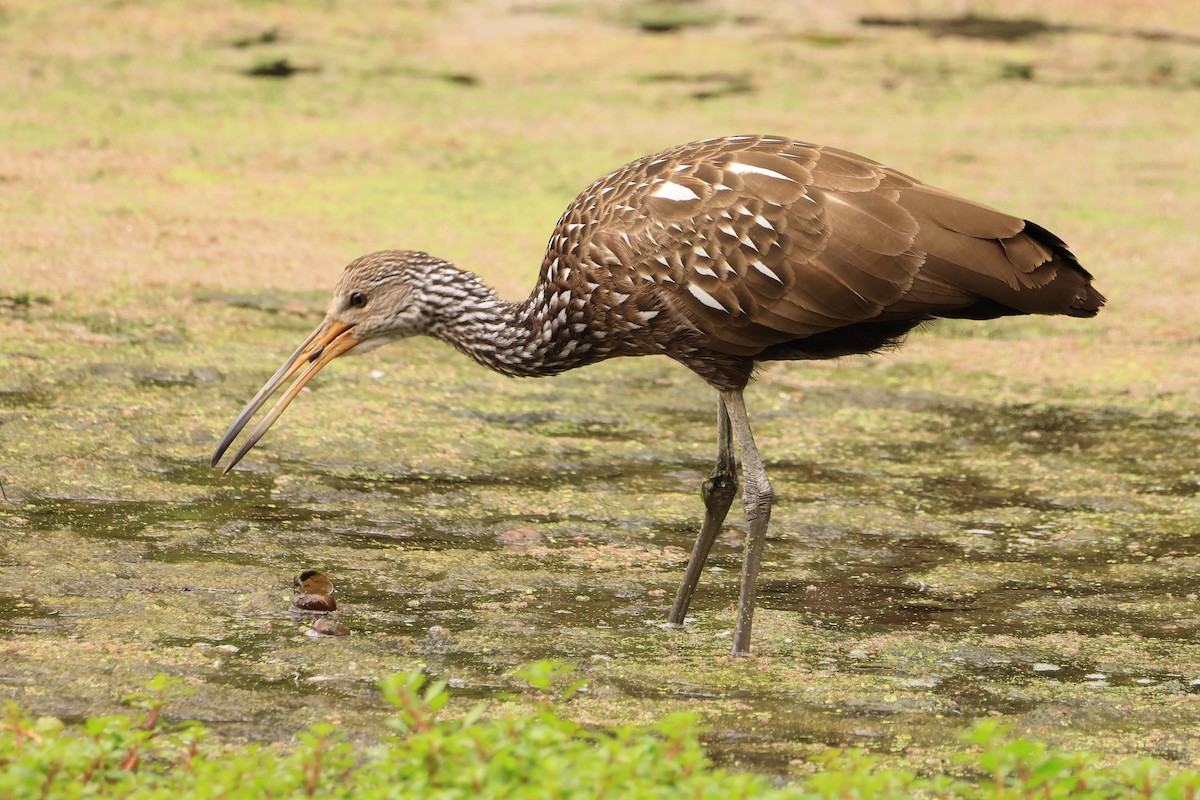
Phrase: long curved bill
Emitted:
{"points": [[330, 340]]}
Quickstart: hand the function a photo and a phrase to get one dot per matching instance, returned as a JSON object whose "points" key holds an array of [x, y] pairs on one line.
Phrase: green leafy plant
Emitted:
{"points": [[540, 754]]}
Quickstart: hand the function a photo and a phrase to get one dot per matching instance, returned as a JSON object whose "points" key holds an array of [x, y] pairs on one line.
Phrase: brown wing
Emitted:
{"points": [[980, 263], [758, 241]]}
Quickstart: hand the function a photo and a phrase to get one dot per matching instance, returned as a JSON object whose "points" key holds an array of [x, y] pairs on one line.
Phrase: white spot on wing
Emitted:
{"points": [[743, 169], [706, 298], [764, 222], [765, 270], [704, 271], [674, 191]]}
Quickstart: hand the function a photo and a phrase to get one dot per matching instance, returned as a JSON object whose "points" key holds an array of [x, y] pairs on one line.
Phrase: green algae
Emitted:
{"points": [[997, 521], [934, 558]]}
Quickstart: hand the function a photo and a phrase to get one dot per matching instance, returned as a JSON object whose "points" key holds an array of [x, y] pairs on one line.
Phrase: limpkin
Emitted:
{"points": [[721, 254]]}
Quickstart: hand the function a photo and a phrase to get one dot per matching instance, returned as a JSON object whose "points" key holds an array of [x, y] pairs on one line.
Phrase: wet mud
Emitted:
{"points": [[936, 557]]}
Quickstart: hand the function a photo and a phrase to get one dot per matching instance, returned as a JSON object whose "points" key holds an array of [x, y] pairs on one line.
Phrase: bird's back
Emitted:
{"points": [[764, 247]]}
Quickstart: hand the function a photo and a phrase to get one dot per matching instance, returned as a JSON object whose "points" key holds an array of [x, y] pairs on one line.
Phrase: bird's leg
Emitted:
{"points": [[756, 499], [718, 492]]}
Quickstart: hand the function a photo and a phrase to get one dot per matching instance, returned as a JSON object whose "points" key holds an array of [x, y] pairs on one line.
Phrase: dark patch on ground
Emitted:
{"points": [[1005, 29]]}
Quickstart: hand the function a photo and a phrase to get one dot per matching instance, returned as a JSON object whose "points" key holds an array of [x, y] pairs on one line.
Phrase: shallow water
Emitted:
{"points": [[936, 556]]}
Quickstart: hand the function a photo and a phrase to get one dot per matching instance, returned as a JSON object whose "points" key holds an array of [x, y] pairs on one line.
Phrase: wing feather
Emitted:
{"points": [[754, 242]]}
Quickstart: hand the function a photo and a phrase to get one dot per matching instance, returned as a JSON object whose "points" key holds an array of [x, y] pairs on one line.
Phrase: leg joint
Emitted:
{"points": [[758, 497], [760, 489]]}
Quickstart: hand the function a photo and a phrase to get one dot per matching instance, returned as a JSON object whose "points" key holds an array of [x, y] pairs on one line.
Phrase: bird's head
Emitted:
{"points": [[377, 300], [380, 299]]}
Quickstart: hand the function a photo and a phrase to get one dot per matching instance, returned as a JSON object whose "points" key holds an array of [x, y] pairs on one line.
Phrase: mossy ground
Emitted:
{"points": [[999, 520]]}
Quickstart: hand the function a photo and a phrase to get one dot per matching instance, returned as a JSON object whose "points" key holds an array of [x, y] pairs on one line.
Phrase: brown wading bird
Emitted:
{"points": [[722, 254]]}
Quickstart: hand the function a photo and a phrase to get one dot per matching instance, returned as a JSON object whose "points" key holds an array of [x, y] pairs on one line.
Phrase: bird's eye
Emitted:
{"points": [[358, 300]]}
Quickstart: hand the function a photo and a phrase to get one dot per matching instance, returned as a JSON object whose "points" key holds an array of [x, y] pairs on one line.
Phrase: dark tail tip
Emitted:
{"points": [[1088, 303]]}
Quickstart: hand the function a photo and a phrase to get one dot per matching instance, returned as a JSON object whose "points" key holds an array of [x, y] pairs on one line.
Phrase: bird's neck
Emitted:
{"points": [[534, 337]]}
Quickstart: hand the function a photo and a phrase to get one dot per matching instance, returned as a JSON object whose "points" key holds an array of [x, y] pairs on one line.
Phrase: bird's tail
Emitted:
{"points": [[1086, 301]]}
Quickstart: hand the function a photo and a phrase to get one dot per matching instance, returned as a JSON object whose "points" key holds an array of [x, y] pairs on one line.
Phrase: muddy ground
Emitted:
{"points": [[998, 520]]}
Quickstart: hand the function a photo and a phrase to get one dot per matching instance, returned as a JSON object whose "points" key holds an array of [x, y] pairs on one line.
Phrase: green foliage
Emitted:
{"points": [[537, 755], [544, 676]]}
